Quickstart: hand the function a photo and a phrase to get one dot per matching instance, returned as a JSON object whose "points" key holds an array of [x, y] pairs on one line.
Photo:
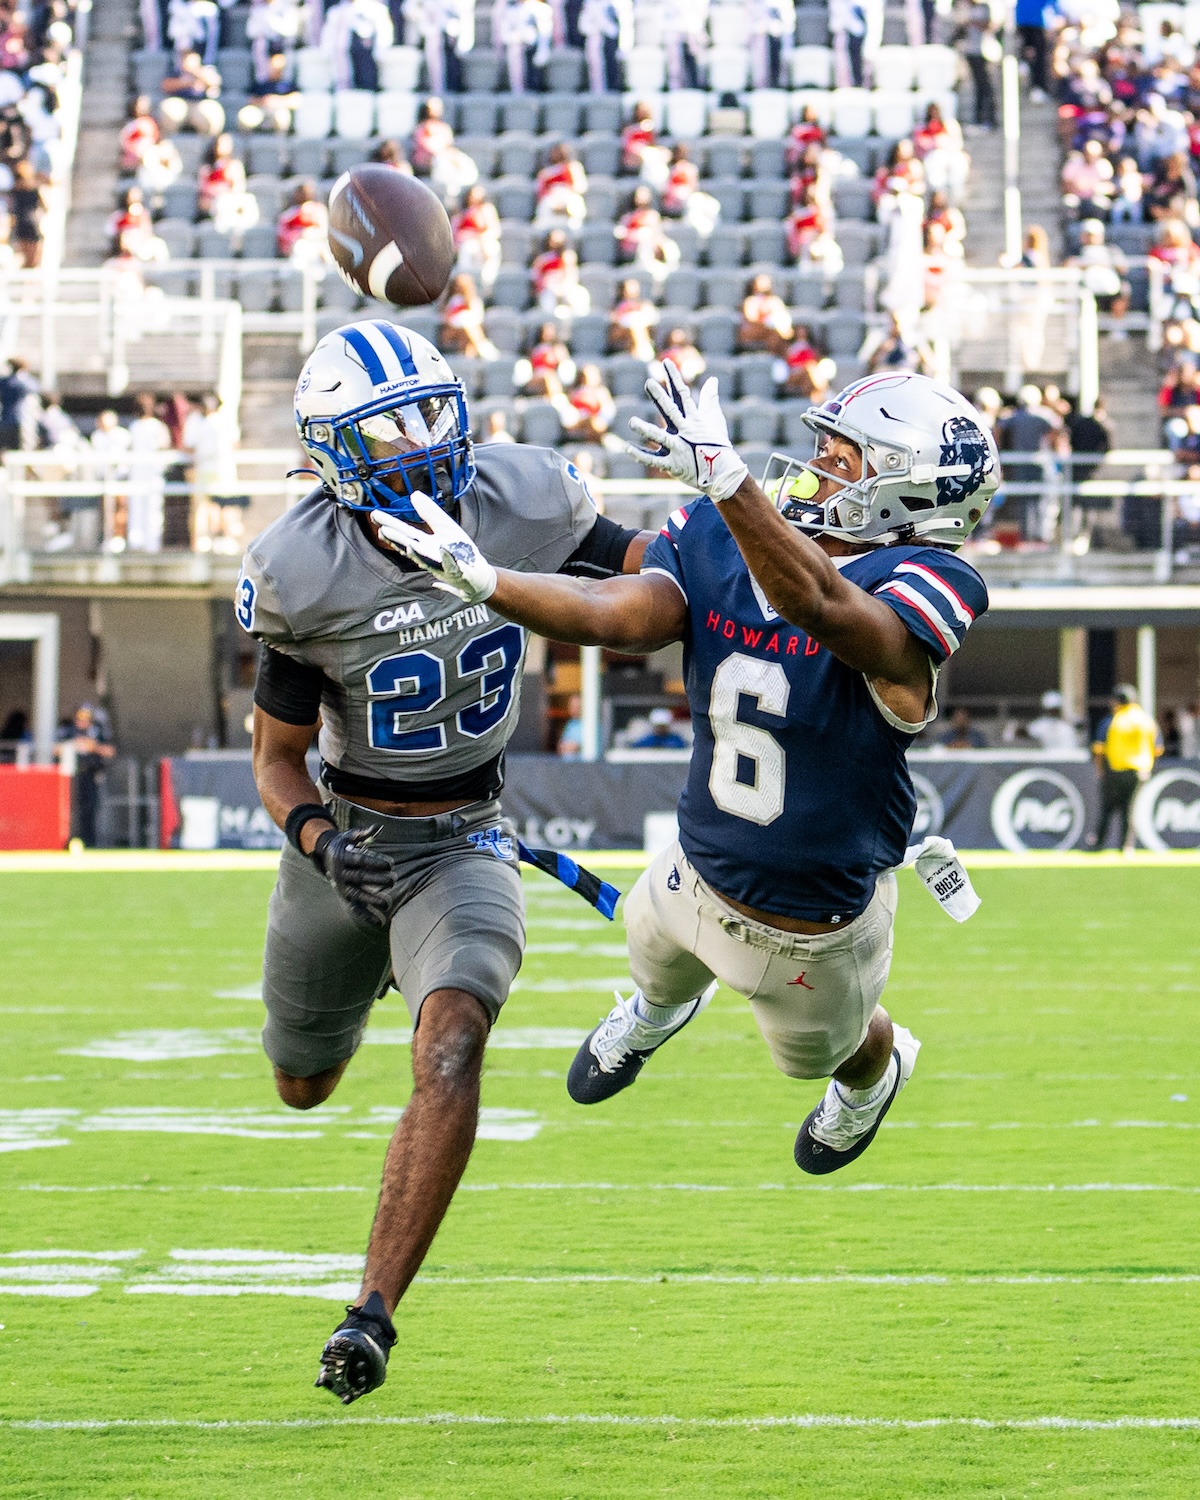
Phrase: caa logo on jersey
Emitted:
{"points": [[1038, 809], [962, 443], [1166, 810]]}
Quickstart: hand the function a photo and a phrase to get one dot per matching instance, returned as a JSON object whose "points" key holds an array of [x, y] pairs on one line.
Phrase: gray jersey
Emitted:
{"points": [[418, 685]]}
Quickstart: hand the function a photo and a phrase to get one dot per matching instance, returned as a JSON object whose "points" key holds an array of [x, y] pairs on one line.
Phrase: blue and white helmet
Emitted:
{"points": [[930, 464], [380, 414]]}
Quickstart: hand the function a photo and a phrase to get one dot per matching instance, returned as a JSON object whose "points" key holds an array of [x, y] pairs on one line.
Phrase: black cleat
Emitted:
{"points": [[616, 1051], [354, 1359], [834, 1134]]}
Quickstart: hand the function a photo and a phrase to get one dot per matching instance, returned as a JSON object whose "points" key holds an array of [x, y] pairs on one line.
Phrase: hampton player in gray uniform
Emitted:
{"points": [[398, 866]]}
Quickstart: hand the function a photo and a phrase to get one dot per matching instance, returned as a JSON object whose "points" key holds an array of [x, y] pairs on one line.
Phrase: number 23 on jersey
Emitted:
{"points": [[414, 682]]}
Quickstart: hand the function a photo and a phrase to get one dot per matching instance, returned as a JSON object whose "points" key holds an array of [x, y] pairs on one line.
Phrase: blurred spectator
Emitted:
{"points": [[1052, 730], [570, 741], [555, 277], [977, 40], [89, 739], [895, 348], [641, 239], [1124, 748], [432, 135], [274, 29], [1030, 18], [1189, 731], [681, 197], [766, 323], [130, 222], [210, 436], [138, 132], [58, 430], [590, 408], [803, 371], [496, 429], [962, 734], [1087, 181], [1090, 439], [109, 444], [683, 354], [662, 734], [772, 26], [195, 26], [902, 172], [988, 404], [191, 98], [391, 153], [18, 389], [849, 25], [953, 225], [462, 322], [1035, 250], [810, 238], [1103, 268], [607, 29], [273, 99], [149, 438], [938, 145], [806, 133], [1171, 193], [1179, 392], [160, 166], [1027, 430], [1129, 193], [686, 41], [639, 154], [354, 37], [477, 236], [27, 207], [549, 369], [561, 184], [303, 226], [446, 29], [219, 174], [524, 29], [1172, 734], [630, 321]]}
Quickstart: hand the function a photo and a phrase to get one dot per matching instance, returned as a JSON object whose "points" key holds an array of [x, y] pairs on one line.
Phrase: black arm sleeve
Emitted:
{"points": [[287, 689], [602, 551]]}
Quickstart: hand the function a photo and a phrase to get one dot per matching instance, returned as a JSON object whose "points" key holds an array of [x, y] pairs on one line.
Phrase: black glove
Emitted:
{"points": [[361, 876]]}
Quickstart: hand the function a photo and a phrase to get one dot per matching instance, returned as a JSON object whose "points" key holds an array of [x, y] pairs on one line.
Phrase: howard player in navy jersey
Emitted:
{"points": [[815, 612]]}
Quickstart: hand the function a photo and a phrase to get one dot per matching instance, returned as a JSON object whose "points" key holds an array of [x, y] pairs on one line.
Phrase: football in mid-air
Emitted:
{"points": [[390, 236]]}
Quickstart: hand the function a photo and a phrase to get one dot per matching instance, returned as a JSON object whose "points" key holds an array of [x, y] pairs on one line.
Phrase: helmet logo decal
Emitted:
{"points": [[963, 445]]}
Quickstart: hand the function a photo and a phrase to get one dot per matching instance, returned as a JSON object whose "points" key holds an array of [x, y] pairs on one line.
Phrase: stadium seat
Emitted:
{"points": [[516, 242], [645, 69], [267, 154], [149, 70], [260, 243], [896, 67], [522, 112], [729, 193], [513, 197], [565, 71], [812, 25], [768, 114], [682, 288], [892, 113], [468, 371], [511, 288], [768, 159], [810, 292], [179, 201], [723, 367], [856, 240], [601, 282], [844, 333], [793, 432], [672, 316], [648, 26], [756, 456], [686, 114], [562, 115], [477, 114], [334, 293], [849, 291], [422, 320], [858, 149], [589, 335], [755, 418], [235, 69], [728, 26], [313, 70], [852, 198], [728, 69], [725, 288], [602, 112], [626, 375], [597, 243], [603, 196], [191, 148], [506, 329], [812, 67], [211, 244], [179, 236], [482, 151], [400, 69], [688, 241], [541, 425], [716, 331], [769, 200], [346, 154], [620, 465], [310, 158], [268, 194], [496, 378], [937, 69], [600, 153], [725, 158], [353, 114], [314, 116], [851, 112], [727, 245], [396, 114], [756, 377], [481, 71], [820, 100]]}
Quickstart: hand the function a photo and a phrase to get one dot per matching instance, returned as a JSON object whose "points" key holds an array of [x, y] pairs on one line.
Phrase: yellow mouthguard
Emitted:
{"points": [[803, 487]]}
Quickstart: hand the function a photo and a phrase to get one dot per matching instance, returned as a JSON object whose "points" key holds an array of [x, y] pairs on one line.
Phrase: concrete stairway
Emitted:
{"points": [[105, 97]]}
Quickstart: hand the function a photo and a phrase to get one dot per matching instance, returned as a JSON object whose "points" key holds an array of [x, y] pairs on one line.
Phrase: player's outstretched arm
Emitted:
{"points": [[281, 773], [632, 612]]}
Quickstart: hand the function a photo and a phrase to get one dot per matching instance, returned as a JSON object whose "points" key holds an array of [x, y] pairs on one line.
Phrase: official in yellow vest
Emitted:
{"points": [[1125, 748]]}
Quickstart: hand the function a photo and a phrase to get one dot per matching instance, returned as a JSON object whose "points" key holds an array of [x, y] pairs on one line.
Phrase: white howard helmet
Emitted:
{"points": [[380, 414], [930, 464]]}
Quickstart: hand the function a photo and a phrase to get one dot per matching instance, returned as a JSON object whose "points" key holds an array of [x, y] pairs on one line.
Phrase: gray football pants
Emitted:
{"points": [[458, 922]]}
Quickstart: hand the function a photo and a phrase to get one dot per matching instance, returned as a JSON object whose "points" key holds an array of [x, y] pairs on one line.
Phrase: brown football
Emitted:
{"points": [[390, 236]]}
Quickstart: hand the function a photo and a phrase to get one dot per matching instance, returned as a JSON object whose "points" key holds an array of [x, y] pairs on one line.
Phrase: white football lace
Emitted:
{"points": [[623, 1031], [839, 1124]]}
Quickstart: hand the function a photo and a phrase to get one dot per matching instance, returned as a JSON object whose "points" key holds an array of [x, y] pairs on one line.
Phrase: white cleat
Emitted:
{"points": [[836, 1133], [612, 1057]]}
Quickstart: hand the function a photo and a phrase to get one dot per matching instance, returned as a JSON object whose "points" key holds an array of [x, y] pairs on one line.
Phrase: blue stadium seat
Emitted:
{"points": [[716, 331], [687, 239], [268, 194], [755, 418], [179, 236], [603, 197], [725, 288], [497, 379], [521, 112], [511, 288], [422, 320], [346, 154], [626, 375], [235, 68], [481, 71], [601, 282], [260, 243], [766, 240], [482, 151], [562, 114], [333, 293], [506, 329], [725, 157], [858, 149], [729, 193], [723, 368], [843, 334], [589, 335], [673, 315], [233, 27], [191, 148], [812, 26], [291, 299], [517, 155], [516, 242], [179, 200], [513, 197], [149, 70], [565, 71], [726, 245], [857, 241], [477, 114], [211, 244], [596, 243], [603, 112], [852, 198], [267, 154], [794, 435], [600, 153], [541, 425], [768, 159], [849, 292], [310, 158], [682, 288], [756, 377]]}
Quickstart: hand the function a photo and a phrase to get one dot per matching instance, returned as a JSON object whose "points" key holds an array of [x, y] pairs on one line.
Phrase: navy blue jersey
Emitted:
{"points": [[798, 794]]}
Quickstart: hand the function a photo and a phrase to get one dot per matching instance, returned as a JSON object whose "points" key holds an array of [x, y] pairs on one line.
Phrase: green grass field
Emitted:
{"points": [[1001, 1299]]}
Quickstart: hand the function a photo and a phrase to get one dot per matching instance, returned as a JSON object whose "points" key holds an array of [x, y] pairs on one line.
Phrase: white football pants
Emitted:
{"points": [[812, 997]]}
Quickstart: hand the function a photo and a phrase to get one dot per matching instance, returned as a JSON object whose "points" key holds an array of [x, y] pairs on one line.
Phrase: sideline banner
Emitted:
{"points": [[978, 799]]}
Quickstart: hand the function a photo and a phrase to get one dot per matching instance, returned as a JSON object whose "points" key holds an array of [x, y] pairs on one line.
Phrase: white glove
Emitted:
{"points": [[445, 551], [696, 446]]}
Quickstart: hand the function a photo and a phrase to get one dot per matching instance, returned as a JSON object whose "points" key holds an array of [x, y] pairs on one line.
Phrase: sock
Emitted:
{"points": [[864, 1098], [659, 1015]]}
